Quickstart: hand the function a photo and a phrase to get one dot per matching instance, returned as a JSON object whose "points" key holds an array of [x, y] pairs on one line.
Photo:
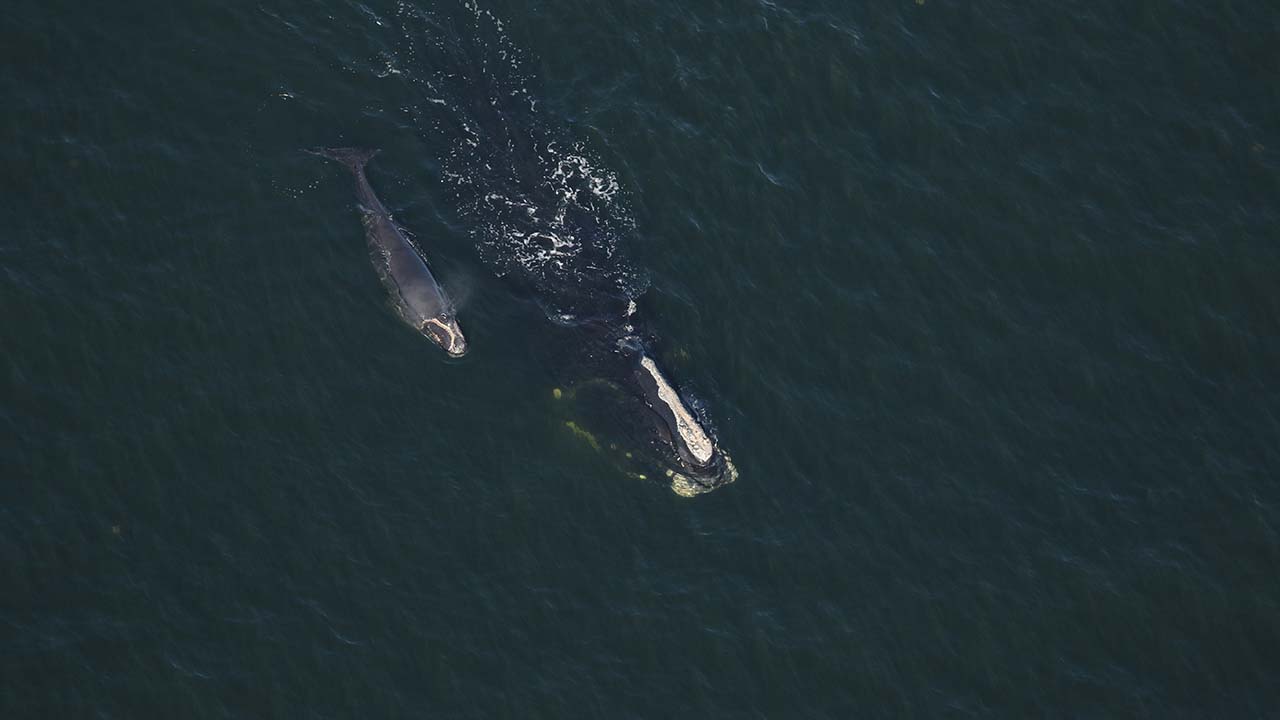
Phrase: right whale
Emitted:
{"points": [[547, 215], [402, 269]]}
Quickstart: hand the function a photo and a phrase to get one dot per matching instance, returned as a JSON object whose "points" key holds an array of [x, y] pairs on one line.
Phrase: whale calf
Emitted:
{"points": [[400, 266]]}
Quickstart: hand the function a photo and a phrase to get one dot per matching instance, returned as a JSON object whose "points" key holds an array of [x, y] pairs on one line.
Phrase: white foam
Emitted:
{"points": [[550, 215]]}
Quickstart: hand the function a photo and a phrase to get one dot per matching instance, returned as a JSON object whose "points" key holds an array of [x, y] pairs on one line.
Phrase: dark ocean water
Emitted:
{"points": [[982, 297]]}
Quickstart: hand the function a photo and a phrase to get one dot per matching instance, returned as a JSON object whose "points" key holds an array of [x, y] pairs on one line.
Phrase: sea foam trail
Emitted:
{"points": [[540, 206]]}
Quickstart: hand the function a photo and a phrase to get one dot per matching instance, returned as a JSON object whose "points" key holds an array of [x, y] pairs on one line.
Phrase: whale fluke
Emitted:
{"points": [[354, 158]]}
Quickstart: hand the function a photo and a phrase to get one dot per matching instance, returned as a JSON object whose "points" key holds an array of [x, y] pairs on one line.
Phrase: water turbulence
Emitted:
{"points": [[545, 213], [540, 208]]}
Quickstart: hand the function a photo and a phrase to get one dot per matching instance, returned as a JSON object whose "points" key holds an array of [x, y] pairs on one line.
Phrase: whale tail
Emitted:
{"points": [[353, 158]]}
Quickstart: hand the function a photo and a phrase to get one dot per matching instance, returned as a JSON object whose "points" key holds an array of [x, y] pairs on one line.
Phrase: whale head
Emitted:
{"points": [[443, 330], [698, 464], [648, 430]]}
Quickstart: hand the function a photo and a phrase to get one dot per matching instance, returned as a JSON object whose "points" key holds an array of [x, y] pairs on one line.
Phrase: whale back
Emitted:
{"points": [[403, 271]]}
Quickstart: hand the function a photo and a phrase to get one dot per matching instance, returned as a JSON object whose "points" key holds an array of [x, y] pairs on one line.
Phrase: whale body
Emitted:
{"points": [[402, 269]]}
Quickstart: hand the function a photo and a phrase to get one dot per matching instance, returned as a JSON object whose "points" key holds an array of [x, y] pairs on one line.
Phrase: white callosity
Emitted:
{"points": [[691, 432], [457, 345]]}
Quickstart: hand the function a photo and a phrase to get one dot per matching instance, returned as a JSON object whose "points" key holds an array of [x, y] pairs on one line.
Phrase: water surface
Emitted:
{"points": [[982, 298]]}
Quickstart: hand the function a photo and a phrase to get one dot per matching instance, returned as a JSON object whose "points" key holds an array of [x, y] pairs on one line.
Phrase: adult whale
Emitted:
{"points": [[402, 269], [548, 216]]}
